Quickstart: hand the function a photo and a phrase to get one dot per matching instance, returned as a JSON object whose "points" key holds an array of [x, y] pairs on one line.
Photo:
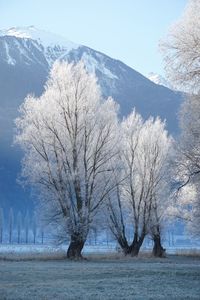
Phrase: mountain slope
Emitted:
{"points": [[26, 55], [160, 80]]}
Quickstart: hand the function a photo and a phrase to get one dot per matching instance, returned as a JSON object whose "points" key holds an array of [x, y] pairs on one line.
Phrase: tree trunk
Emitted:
{"points": [[75, 248], [136, 245], [1, 235], [135, 249], [126, 250], [123, 245], [158, 250]]}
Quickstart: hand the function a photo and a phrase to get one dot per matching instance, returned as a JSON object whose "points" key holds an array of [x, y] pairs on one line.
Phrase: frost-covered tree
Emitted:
{"points": [[145, 147], [187, 208], [69, 139], [188, 164], [181, 49], [193, 224], [188, 148], [10, 225], [26, 227], [41, 229], [182, 57], [19, 227], [34, 228], [1, 224], [159, 217]]}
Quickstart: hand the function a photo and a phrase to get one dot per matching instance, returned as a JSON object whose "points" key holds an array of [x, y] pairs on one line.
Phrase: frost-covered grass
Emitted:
{"points": [[17, 252], [188, 252], [176, 277], [45, 252], [30, 252]]}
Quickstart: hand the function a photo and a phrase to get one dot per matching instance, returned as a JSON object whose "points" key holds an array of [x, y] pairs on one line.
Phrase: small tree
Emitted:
{"points": [[1, 224], [19, 227], [34, 228], [10, 225], [42, 231], [42, 235], [26, 226]]}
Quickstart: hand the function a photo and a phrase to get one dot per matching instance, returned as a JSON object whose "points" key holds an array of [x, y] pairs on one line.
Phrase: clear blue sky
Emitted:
{"points": [[128, 30]]}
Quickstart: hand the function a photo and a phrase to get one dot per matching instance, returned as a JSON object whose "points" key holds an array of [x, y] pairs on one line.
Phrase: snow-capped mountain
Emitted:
{"points": [[51, 45], [158, 79], [45, 38], [35, 50], [26, 55]]}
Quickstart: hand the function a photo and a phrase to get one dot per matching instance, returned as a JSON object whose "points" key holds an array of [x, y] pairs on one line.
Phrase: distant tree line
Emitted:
{"points": [[19, 228]]}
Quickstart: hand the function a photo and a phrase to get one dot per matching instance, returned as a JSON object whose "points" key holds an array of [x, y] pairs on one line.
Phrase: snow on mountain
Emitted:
{"points": [[31, 52], [10, 60], [52, 45], [27, 53], [158, 79], [45, 38], [92, 65]]}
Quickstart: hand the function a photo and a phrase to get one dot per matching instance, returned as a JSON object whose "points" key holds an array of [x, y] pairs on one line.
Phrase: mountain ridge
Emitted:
{"points": [[43, 37]]}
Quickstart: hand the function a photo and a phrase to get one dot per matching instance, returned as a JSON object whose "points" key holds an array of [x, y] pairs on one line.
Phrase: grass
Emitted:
{"points": [[102, 277], [188, 252], [30, 252]]}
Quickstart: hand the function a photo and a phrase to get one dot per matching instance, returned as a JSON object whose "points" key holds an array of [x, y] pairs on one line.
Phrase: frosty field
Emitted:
{"points": [[101, 277]]}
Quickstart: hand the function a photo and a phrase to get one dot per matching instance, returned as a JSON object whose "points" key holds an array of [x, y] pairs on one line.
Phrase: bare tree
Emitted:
{"points": [[26, 226], [1, 224], [69, 138], [19, 227], [34, 228], [10, 225], [41, 230], [42, 235], [144, 150]]}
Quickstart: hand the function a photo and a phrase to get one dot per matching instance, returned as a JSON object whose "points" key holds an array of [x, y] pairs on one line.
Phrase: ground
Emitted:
{"points": [[175, 277]]}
